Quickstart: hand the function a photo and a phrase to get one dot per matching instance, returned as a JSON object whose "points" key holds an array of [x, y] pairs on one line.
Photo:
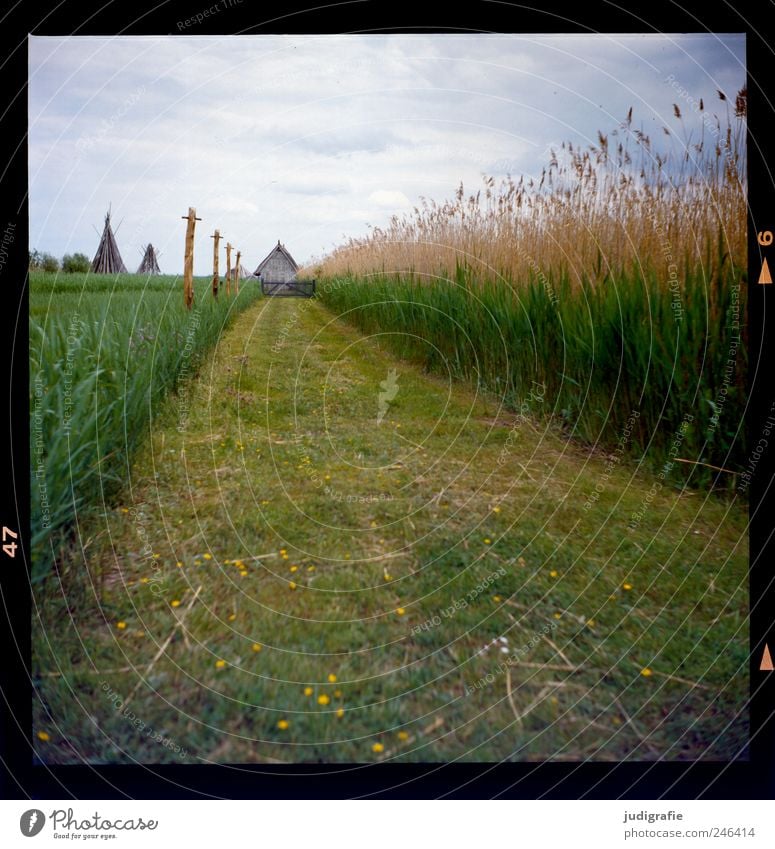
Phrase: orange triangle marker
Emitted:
{"points": [[766, 664], [765, 276]]}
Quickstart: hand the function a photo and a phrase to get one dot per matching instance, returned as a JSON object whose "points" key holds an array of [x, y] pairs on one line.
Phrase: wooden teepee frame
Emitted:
{"points": [[108, 260], [150, 263]]}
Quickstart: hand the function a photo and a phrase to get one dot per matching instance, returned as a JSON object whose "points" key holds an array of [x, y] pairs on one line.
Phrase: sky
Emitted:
{"points": [[313, 139]]}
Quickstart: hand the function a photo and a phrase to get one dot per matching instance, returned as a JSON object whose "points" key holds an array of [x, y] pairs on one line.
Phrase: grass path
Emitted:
{"points": [[288, 579]]}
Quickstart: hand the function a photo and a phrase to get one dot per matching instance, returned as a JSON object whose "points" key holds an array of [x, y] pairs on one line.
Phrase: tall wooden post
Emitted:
{"points": [[228, 268], [236, 273], [188, 262], [216, 237]]}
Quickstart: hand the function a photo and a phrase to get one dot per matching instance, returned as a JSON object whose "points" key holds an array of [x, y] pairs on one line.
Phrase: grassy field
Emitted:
{"points": [[339, 557], [104, 352], [615, 280]]}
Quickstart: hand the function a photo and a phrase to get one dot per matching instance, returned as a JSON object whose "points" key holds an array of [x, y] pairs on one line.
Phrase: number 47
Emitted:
{"points": [[9, 548]]}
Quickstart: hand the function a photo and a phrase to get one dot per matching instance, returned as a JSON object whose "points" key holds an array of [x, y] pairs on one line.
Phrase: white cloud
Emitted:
{"points": [[387, 199]]}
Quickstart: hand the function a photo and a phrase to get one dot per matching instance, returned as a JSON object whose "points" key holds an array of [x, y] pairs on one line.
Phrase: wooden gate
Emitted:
{"points": [[289, 288]]}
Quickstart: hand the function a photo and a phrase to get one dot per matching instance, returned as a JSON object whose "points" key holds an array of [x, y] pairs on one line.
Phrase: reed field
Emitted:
{"points": [[104, 350], [614, 281]]}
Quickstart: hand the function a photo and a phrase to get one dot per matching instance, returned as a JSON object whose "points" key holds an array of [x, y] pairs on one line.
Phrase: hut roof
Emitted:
{"points": [[108, 260], [278, 248]]}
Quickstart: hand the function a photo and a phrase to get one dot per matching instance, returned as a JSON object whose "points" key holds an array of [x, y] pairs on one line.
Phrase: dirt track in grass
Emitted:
{"points": [[324, 554]]}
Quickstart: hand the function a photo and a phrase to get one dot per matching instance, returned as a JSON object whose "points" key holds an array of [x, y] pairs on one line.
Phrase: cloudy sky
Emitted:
{"points": [[310, 139]]}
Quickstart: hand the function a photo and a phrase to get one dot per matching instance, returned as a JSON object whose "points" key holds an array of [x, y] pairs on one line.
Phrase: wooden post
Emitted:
{"points": [[228, 268], [216, 277], [188, 262], [236, 272]]}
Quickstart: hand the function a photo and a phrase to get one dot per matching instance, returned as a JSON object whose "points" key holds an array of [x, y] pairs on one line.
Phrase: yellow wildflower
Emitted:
{"points": [[43, 736], [646, 672], [323, 699], [331, 678], [400, 611], [308, 691], [120, 625], [219, 664], [377, 748], [627, 586], [257, 646], [207, 556], [294, 568], [292, 585], [554, 573], [232, 617], [403, 735], [175, 603], [340, 712], [487, 541], [282, 724]]}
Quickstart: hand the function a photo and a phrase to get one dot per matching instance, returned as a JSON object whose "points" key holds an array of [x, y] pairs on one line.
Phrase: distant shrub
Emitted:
{"points": [[75, 263]]}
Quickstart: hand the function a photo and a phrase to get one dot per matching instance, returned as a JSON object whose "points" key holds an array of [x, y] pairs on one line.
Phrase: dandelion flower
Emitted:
{"points": [[156, 556], [331, 678], [294, 568], [285, 556], [243, 572], [645, 672], [308, 691], [487, 541], [282, 724], [558, 615], [496, 509], [337, 694], [627, 586], [207, 556], [591, 622], [179, 563], [554, 573], [323, 699], [497, 598], [43, 736], [197, 563], [283, 551], [144, 580], [219, 664], [340, 712], [377, 748], [232, 617], [400, 611], [403, 735], [388, 577], [292, 585], [310, 568], [175, 603], [124, 510], [257, 647], [120, 625]]}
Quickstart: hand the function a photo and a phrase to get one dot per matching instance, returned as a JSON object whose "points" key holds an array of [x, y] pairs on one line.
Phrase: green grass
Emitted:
{"points": [[476, 523], [104, 351], [594, 354]]}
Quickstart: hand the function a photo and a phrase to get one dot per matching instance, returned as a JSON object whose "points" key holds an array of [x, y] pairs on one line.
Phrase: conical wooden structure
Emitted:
{"points": [[150, 264], [108, 260]]}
